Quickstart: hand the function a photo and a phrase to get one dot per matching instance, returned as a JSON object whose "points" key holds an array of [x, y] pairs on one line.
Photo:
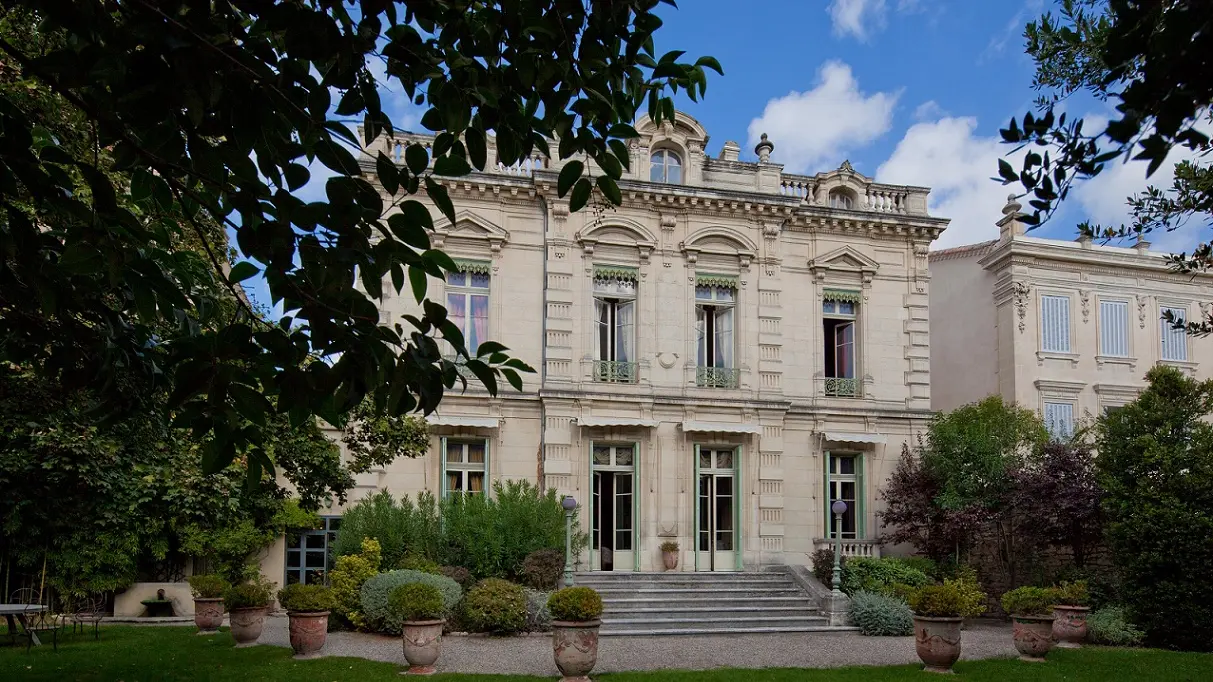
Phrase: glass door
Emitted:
{"points": [[717, 511], [613, 545]]}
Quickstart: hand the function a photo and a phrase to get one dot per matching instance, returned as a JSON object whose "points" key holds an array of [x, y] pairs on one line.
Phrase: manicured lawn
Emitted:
{"points": [[142, 654]]}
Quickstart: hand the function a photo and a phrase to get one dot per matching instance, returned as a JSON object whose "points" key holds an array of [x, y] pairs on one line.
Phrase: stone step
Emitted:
{"points": [[658, 632], [613, 582], [790, 600], [681, 611], [713, 623], [698, 592], [680, 575]]}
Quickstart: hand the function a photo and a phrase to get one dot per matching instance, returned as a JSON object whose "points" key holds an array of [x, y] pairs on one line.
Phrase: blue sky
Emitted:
{"points": [[910, 91]]}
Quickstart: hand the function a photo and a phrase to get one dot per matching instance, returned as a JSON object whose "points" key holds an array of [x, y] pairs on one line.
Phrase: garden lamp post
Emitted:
{"points": [[569, 505], [839, 508]]}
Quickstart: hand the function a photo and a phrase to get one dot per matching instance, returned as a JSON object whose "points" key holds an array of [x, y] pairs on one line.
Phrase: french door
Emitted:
{"points": [[613, 508], [717, 510]]}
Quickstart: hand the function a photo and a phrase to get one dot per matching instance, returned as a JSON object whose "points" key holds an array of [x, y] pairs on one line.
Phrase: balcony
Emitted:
{"points": [[717, 377], [614, 372], [841, 387], [867, 549]]}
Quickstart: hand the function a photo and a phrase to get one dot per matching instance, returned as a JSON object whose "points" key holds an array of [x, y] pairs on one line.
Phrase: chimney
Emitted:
{"points": [[731, 151], [1010, 226]]}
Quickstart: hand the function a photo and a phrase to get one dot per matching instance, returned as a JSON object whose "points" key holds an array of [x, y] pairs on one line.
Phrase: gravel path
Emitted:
{"points": [[532, 655]]}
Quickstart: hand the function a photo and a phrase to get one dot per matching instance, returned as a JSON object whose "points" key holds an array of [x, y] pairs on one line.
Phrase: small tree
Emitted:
{"points": [[1156, 466], [1060, 493], [913, 514]]}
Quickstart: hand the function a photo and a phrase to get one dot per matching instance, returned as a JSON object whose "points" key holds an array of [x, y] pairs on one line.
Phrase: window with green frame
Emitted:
{"points": [[465, 465], [844, 481], [308, 553]]}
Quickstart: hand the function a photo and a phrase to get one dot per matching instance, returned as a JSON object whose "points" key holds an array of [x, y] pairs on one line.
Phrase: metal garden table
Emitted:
{"points": [[18, 611]]}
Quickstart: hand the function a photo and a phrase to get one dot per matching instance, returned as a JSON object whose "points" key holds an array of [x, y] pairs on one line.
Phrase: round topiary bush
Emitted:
{"points": [[496, 606], [417, 601], [1029, 601], [208, 586], [377, 610], [578, 604], [542, 568], [302, 598], [878, 615]]}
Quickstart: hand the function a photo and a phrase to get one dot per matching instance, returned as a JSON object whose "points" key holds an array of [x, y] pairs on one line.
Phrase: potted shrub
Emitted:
{"points": [[1031, 610], [1070, 614], [939, 611], [669, 554], [247, 604], [307, 607], [575, 613], [421, 607], [208, 602]]}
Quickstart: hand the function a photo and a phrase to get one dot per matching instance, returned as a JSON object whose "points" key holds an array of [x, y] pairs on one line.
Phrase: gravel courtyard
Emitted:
{"points": [[532, 655]]}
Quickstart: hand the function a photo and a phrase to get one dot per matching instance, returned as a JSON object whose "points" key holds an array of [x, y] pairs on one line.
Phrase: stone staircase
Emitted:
{"points": [[686, 603]]}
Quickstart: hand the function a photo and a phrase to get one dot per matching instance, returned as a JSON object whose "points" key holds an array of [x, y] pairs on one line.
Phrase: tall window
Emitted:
{"points": [[465, 466], [715, 303], [838, 314], [1114, 328], [1059, 419], [615, 313], [1174, 341], [1055, 324], [665, 166], [467, 302], [844, 481], [308, 560], [840, 198]]}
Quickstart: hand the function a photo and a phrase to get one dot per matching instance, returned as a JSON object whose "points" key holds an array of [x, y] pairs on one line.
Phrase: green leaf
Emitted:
{"points": [[485, 374], [416, 158], [512, 377], [417, 278], [141, 185], [611, 165], [217, 455], [242, 271], [610, 190], [452, 166], [296, 176], [477, 147], [711, 63], [568, 175], [581, 195], [490, 347], [389, 175], [250, 403], [439, 196]]}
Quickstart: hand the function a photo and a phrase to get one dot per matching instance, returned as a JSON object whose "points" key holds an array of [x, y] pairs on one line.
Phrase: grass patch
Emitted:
{"points": [[172, 654]]}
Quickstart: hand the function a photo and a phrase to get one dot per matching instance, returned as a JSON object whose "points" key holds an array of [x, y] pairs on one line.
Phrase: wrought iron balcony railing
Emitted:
{"points": [[840, 387], [717, 377], [615, 372]]}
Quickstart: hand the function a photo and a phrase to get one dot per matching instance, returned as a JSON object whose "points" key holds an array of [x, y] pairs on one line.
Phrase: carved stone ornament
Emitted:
{"points": [[1084, 297], [1019, 291], [1141, 312]]}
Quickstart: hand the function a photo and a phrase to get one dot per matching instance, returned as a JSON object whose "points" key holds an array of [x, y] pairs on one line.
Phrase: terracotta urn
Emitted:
{"points": [[422, 644], [670, 559], [247, 624], [937, 641], [208, 615], [1033, 637], [309, 630], [575, 646], [1070, 626]]}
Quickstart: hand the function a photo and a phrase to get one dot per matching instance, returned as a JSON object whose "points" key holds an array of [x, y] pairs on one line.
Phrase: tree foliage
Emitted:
{"points": [[201, 113], [1151, 61], [1156, 466]]}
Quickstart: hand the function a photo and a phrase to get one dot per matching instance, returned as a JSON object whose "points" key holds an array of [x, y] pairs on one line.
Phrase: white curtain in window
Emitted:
{"points": [[1174, 341], [1055, 323], [844, 350], [602, 312], [624, 331], [701, 336], [1114, 328], [724, 337]]}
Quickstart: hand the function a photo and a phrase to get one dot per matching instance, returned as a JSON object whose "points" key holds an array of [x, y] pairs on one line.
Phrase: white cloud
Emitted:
{"points": [[864, 18], [929, 111], [957, 165], [823, 124], [1012, 29]]}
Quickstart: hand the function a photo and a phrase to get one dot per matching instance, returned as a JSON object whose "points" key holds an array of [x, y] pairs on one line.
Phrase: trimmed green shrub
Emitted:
{"points": [[950, 599], [576, 604], [207, 586], [1072, 594], [879, 575], [1029, 601], [1110, 626], [376, 608], [878, 615], [496, 606], [255, 592], [669, 546], [417, 601], [459, 574], [402, 528], [412, 562], [306, 598], [823, 565], [347, 579], [928, 567], [538, 617], [542, 569]]}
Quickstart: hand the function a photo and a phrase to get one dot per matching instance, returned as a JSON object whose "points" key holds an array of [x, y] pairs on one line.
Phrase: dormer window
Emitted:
{"points": [[666, 167], [841, 198]]}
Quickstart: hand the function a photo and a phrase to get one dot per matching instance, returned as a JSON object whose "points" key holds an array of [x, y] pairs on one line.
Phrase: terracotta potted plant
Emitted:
{"points": [[575, 622], [247, 605], [1031, 610], [669, 554], [939, 611], [307, 607], [208, 602], [1070, 614], [421, 608]]}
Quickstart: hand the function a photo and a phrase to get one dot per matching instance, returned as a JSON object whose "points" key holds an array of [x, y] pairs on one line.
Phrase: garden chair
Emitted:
{"points": [[38, 621], [86, 611]]}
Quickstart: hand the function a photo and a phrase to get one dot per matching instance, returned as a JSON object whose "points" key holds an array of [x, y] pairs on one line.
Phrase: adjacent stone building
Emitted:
{"points": [[717, 359], [1067, 328]]}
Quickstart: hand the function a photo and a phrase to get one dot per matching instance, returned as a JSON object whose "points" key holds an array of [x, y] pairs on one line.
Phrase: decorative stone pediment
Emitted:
{"points": [[844, 260], [617, 231], [470, 226], [719, 241]]}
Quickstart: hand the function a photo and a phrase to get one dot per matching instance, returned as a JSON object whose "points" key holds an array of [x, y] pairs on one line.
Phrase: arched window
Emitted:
{"points": [[665, 166], [841, 198]]}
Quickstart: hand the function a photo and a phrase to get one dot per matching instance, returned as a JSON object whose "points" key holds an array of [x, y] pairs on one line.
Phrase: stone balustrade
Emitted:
{"points": [[394, 148], [868, 549]]}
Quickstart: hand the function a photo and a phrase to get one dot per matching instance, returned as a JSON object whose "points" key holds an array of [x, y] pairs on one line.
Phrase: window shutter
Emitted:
{"points": [[1059, 419], [488, 476], [860, 494], [825, 494], [442, 466], [1174, 341], [695, 495], [1055, 323], [636, 534], [1113, 328]]}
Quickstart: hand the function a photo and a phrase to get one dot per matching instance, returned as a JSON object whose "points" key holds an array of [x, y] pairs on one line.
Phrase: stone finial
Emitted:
{"points": [[731, 151], [846, 166], [1010, 225], [1142, 246], [764, 148]]}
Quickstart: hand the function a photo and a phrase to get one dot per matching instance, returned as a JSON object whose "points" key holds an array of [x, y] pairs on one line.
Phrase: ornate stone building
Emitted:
{"points": [[717, 359], [1067, 328]]}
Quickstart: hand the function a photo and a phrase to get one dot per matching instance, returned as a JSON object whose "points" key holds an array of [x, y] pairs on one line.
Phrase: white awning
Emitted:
{"points": [[720, 427], [839, 437], [616, 421], [454, 420]]}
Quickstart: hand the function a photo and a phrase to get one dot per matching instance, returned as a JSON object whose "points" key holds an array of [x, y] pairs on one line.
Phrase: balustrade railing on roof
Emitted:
{"points": [[877, 198], [395, 148]]}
